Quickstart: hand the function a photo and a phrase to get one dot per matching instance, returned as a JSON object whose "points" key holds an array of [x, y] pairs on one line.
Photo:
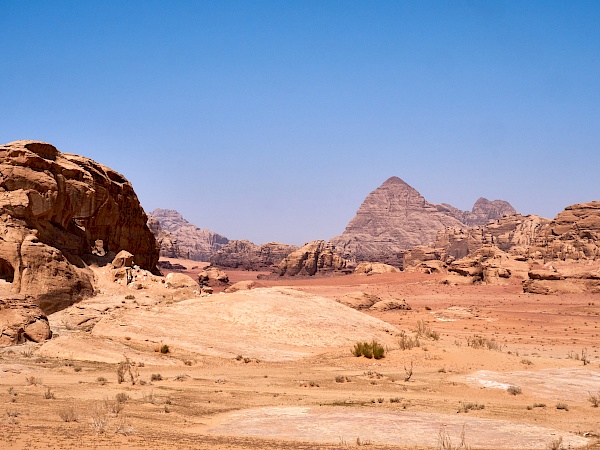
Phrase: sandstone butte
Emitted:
{"points": [[59, 213], [395, 217]]}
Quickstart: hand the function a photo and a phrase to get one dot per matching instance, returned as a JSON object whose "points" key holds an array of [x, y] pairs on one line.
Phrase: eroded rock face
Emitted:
{"points": [[369, 268], [22, 320], [246, 255], [395, 217], [166, 241], [312, 258], [55, 211], [573, 234], [192, 242]]}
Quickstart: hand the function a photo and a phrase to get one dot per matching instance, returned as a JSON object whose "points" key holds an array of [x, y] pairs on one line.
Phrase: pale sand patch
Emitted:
{"points": [[272, 324], [337, 425], [560, 384]]}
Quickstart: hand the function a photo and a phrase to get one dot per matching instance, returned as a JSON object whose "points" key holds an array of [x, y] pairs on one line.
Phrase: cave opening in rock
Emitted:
{"points": [[7, 272]]}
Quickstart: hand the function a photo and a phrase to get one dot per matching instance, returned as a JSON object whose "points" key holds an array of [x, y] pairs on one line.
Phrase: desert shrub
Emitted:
{"points": [[427, 308], [594, 399], [164, 349], [126, 369], [124, 427], [380, 400], [68, 414], [156, 377], [101, 380], [121, 397], [341, 379], [378, 350], [442, 370], [406, 342], [483, 342], [539, 405], [514, 390], [77, 368], [48, 394], [556, 444], [395, 400], [33, 381], [187, 362], [27, 353], [563, 406], [526, 362], [445, 443], [357, 350], [466, 407], [129, 297], [423, 329], [99, 417]]}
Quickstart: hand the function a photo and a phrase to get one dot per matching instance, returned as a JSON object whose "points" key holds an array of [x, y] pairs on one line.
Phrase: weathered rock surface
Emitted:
{"points": [[211, 276], [248, 256], [371, 268], [194, 243], [489, 265], [176, 280], [573, 234], [395, 217], [245, 285], [312, 258], [57, 211], [166, 241], [22, 320]]}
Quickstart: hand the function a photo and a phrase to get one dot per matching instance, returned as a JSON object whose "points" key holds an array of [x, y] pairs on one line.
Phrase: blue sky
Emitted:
{"points": [[272, 120]]}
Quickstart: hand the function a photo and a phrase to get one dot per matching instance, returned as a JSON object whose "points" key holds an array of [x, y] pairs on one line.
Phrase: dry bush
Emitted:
{"points": [[33, 381], [408, 372], [482, 342], [101, 380], [594, 399], [369, 350], [466, 407], [48, 394], [556, 444], [406, 342], [423, 329], [445, 443], [156, 377], [126, 369], [124, 427], [563, 406], [122, 397], [514, 390], [99, 418], [68, 414]]}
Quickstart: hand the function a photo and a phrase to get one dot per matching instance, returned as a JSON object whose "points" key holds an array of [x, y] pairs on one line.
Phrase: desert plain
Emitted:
{"points": [[272, 367]]}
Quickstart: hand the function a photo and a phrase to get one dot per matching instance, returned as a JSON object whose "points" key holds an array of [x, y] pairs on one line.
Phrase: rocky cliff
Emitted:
{"points": [[194, 243], [59, 211], [246, 255], [395, 217], [316, 257], [166, 241]]}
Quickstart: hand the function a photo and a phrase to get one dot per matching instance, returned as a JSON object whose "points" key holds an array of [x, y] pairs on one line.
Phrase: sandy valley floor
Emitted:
{"points": [[271, 368]]}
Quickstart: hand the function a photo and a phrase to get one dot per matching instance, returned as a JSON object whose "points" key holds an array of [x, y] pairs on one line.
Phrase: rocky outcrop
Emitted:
{"points": [[212, 276], [575, 279], [58, 211], [574, 234], [369, 268], [312, 258], [248, 256], [22, 320], [395, 217], [166, 241], [488, 265], [194, 243], [363, 300]]}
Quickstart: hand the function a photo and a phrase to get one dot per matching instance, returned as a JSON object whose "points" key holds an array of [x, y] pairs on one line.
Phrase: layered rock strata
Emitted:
{"points": [[312, 258], [248, 256]]}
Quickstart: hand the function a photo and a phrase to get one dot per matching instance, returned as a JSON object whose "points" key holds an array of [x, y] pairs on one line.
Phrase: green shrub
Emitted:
{"points": [[164, 348], [514, 390], [378, 350]]}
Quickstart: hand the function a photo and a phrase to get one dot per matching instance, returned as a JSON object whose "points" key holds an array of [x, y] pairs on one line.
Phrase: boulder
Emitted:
{"points": [[488, 265], [22, 320], [312, 258], [123, 259], [391, 304], [212, 275], [245, 285], [358, 300], [369, 268], [176, 280]]}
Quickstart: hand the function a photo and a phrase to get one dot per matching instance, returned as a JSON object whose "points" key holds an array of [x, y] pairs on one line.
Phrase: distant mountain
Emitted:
{"points": [[395, 217], [184, 239]]}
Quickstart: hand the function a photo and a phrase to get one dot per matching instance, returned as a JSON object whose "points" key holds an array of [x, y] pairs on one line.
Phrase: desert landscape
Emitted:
{"points": [[421, 326]]}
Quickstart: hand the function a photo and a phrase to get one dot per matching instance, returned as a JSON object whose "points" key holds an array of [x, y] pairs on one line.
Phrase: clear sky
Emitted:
{"points": [[272, 120]]}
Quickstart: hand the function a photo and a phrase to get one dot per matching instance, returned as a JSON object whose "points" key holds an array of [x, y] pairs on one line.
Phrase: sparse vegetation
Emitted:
{"points": [[477, 341], [424, 330], [156, 377], [126, 369], [68, 414], [408, 372], [369, 350], [102, 380], [33, 381], [594, 399], [514, 390], [164, 349], [527, 362], [556, 444], [407, 342], [129, 297], [563, 406], [445, 443], [342, 379], [48, 394], [466, 407]]}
